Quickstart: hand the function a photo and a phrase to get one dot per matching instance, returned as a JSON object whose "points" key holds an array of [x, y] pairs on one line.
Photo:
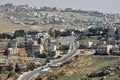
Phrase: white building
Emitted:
{"points": [[20, 39], [64, 41], [37, 48], [52, 48], [115, 50], [38, 35], [13, 51], [88, 44]]}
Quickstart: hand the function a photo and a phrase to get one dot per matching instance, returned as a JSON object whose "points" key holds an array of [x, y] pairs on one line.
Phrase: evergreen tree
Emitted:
{"points": [[17, 68], [6, 53], [39, 41], [1, 69], [52, 33], [19, 33], [31, 66]]}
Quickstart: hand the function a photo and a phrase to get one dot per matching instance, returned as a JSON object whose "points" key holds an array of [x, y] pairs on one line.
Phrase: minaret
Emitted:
{"points": [[105, 18]]}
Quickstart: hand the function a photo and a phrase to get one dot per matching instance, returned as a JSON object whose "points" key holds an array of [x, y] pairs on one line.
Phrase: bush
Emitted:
{"points": [[64, 47], [31, 66], [38, 79], [9, 68], [19, 33], [17, 68], [1, 69]]}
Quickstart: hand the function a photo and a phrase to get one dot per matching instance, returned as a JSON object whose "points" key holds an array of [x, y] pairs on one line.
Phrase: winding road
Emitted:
{"points": [[41, 70]]}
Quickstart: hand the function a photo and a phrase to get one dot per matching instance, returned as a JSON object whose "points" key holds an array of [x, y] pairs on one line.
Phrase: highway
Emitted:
{"points": [[72, 51]]}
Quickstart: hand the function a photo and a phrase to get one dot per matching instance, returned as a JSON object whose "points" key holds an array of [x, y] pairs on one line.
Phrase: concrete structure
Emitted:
{"points": [[20, 39], [64, 41], [103, 49], [37, 48], [4, 62], [12, 48], [115, 50], [52, 48], [113, 42], [111, 32], [38, 35], [29, 47], [4, 44], [46, 35], [71, 53], [22, 52], [88, 44]]}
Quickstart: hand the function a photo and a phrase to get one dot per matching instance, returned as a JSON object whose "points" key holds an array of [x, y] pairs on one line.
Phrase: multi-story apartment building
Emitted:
{"points": [[12, 48], [103, 49]]}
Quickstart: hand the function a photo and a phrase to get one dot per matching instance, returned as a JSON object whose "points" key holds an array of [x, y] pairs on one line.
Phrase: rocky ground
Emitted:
{"points": [[83, 67], [107, 73]]}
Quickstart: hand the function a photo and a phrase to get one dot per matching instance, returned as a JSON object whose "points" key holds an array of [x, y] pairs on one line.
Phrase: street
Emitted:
{"points": [[72, 51]]}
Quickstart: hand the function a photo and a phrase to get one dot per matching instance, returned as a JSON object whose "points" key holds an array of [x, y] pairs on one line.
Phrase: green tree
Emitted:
{"points": [[32, 32], [5, 35], [9, 75], [1, 69], [6, 53], [31, 66], [19, 33], [20, 46], [64, 47], [17, 68], [52, 32], [38, 78], [47, 61], [111, 51], [57, 33], [39, 41], [9, 68]]}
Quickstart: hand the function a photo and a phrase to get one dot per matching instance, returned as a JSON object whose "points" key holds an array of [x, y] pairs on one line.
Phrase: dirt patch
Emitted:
{"points": [[7, 26]]}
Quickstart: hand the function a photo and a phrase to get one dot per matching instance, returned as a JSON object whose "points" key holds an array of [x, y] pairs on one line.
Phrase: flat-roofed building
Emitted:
{"points": [[103, 49], [113, 42], [115, 50], [12, 48]]}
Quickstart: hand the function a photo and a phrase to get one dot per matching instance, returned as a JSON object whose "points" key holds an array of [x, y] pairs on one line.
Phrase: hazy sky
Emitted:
{"points": [[111, 6]]}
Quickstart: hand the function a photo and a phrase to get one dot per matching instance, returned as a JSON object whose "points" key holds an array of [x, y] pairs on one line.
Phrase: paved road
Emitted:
{"points": [[71, 52]]}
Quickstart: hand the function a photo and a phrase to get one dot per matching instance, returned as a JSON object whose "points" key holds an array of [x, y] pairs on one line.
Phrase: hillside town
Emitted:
{"points": [[73, 35]]}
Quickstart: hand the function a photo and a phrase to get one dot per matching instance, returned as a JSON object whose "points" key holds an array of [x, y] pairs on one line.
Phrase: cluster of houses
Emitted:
{"points": [[42, 42], [32, 15], [33, 45], [112, 43], [106, 44]]}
